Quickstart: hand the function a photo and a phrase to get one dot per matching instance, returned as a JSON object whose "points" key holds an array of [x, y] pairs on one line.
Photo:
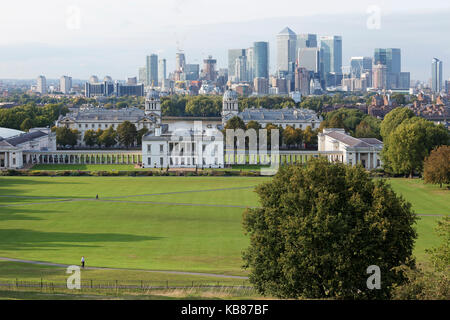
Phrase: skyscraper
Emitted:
{"points": [[233, 55], [250, 59], [143, 75], [360, 65], [331, 56], [306, 40], [261, 59], [392, 59], [180, 62], [65, 84], [240, 69], [309, 58], [436, 75], [41, 85], [209, 72], [152, 70], [286, 49], [162, 70], [380, 76]]}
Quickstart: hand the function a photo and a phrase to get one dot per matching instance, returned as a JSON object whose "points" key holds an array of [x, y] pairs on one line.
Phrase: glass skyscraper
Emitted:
{"points": [[391, 58], [261, 59], [436, 75], [152, 70], [331, 59], [286, 54], [233, 55]]}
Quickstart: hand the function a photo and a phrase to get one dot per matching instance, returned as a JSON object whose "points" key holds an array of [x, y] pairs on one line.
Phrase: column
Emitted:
{"points": [[369, 161]]}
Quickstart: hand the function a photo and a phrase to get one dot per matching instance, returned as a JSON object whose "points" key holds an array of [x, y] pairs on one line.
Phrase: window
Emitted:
{"points": [[149, 148], [149, 161], [161, 162], [182, 161], [93, 125], [193, 162], [161, 148]]}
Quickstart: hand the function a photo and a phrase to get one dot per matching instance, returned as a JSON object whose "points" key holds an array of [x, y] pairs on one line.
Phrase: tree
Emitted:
{"points": [[253, 125], [310, 136], [142, 132], [126, 133], [235, 123], [108, 137], [26, 125], [319, 229], [291, 136], [437, 166], [393, 119], [431, 283], [66, 137], [410, 143], [90, 138]]}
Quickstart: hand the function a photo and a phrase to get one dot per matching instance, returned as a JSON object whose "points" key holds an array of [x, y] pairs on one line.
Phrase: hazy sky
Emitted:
{"points": [[81, 37]]}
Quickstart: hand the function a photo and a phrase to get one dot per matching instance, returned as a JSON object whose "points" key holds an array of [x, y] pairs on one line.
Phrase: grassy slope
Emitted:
{"points": [[133, 235]]}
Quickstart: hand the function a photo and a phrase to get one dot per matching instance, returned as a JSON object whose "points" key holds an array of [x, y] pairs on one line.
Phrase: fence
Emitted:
{"points": [[121, 286]]}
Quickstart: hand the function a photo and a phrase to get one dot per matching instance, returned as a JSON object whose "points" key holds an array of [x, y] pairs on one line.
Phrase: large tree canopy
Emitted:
{"points": [[319, 229]]}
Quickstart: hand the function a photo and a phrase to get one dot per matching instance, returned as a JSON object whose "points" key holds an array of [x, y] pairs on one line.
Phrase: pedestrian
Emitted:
{"points": [[96, 197], [82, 262]]}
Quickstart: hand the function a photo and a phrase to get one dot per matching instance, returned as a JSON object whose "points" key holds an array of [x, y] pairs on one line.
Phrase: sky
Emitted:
{"points": [[80, 37]]}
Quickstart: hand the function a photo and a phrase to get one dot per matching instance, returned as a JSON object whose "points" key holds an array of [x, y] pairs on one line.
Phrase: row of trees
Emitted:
{"points": [[355, 122], [289, 136], [126, 135], [408, 141], [29, 116]]}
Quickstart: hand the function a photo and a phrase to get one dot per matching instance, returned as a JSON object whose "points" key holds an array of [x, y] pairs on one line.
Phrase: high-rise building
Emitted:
{"points": [[93, 79], [143, 75], [162, 70], [436, 75], [306, 40], [404, 80], [152, 70], [331, 56], [250, 58], [65, 84], [360, 65], [41, 85], [132, 81], [309, 58], [261, 86], [380, 76], [391, 58], [302, 81], [261, 59], [240, 69], [286, 49], [192, 72], [447, 87], [209, 72], [233, 55], [180, 63]]}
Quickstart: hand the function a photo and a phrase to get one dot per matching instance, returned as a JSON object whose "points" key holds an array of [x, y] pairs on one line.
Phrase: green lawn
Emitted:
{"points": [[85, 167], [135, 226]]}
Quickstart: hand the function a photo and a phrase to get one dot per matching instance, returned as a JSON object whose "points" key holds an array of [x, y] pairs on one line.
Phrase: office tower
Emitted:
{"points": [[302, 81], [233, 55], [306, 40], [331, 55], [129, 89], [192, 72], [250, 57], [404, 81], [240, 69], [209, 69], [65, 84], [93, 79], [180, 62], [436, 75], [162, 70], [360, 65], [152, 70], [380, 76], [261, 59], [41, 85], [261, 86], [286, 47], [309, 58], [143, 75], [447, 87], [391, 58]]}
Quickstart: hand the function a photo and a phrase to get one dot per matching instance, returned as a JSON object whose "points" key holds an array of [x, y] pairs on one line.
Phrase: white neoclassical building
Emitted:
{"points": [[14, 150], [195, 146], [366, 151]]}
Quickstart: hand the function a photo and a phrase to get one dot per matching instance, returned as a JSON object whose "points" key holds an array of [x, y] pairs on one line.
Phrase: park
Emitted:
{"points": [[182, 230]]}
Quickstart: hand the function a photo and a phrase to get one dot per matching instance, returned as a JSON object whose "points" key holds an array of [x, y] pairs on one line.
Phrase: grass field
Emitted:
{"points": [[189, 224]]}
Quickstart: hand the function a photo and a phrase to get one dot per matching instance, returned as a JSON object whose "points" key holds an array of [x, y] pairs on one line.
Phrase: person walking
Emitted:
{"points": [[96, 197], [82, 262]]}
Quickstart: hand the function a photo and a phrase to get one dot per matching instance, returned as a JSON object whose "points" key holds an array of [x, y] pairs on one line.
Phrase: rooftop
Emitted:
{"points": [[267, 115]]}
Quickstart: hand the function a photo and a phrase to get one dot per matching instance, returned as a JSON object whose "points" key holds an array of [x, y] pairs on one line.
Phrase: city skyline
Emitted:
{"points": [[21, 58]]}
